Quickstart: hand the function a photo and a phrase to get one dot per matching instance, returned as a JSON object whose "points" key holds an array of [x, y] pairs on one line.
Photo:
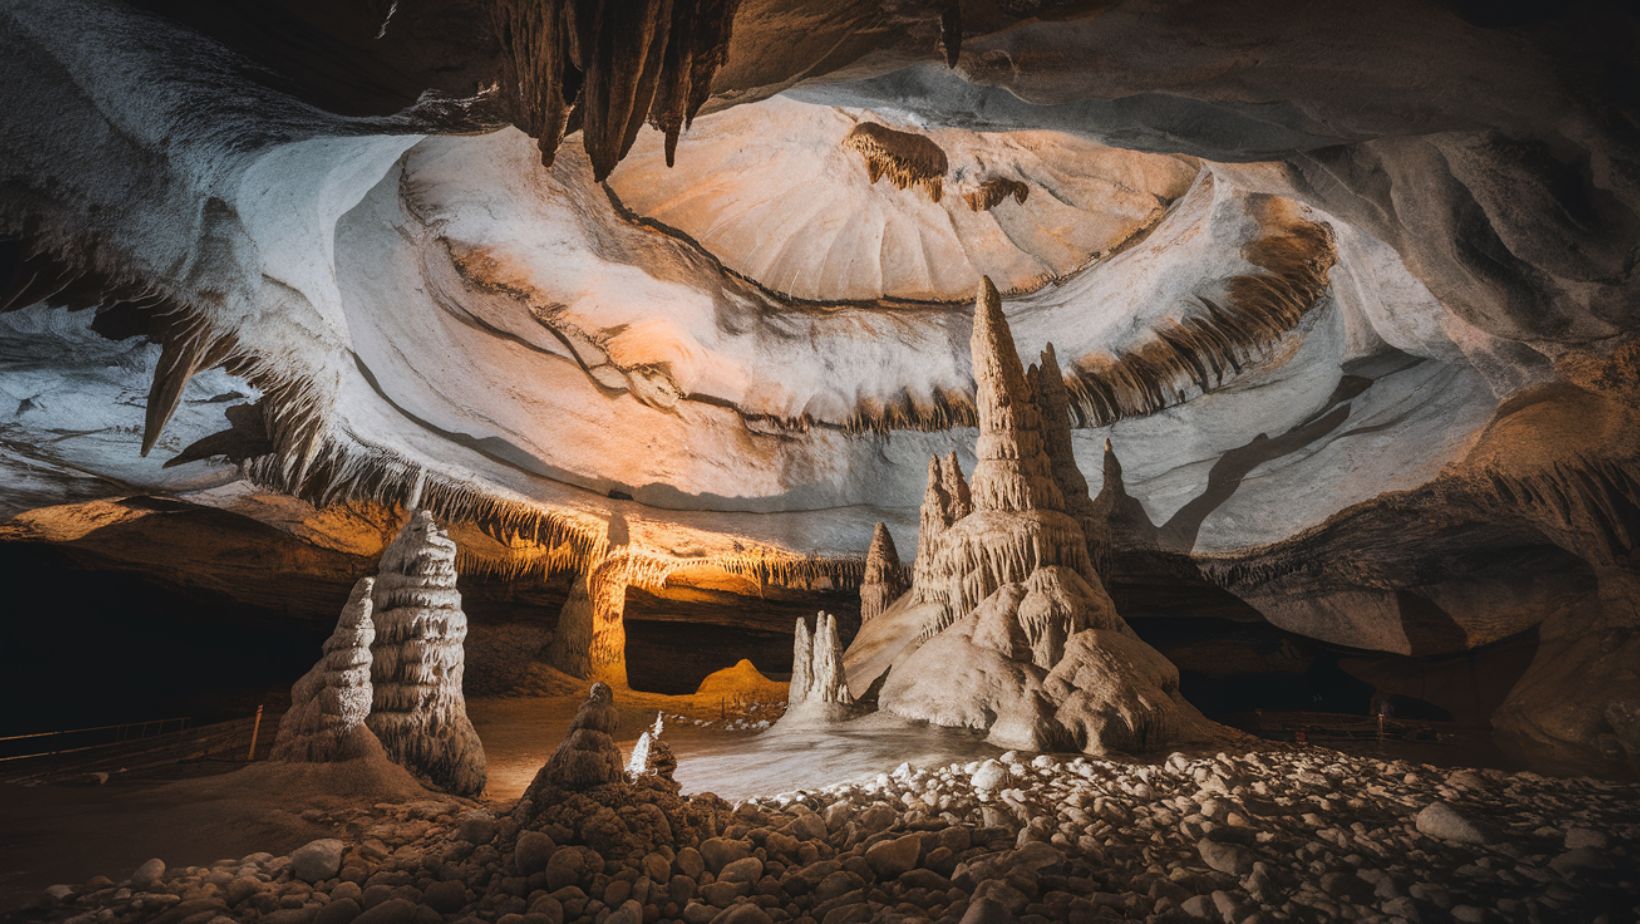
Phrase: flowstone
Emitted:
{"points": [[418, 711]]}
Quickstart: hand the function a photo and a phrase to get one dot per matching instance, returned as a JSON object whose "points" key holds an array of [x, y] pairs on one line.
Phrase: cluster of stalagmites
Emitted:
{"points": [[904, 158], [390, 678], [1021, 640], [818, 682], [605, 66]]}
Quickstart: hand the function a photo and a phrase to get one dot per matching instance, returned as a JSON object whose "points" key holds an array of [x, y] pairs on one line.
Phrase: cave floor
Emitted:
{"points": [[1308, 833]]}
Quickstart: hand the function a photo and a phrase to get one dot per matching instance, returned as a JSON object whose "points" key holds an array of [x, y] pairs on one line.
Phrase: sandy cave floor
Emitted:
{"points": [[1330, 834]]}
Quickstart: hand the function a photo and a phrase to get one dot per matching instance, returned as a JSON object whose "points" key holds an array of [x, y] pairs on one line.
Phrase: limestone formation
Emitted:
{"points": [[1027, 645], [959, 501], [884, 579], [651, 755], [329, 705], [590, 639], [418, 709], [587, 756], [906, 159], [604, 66], [817, 666]]}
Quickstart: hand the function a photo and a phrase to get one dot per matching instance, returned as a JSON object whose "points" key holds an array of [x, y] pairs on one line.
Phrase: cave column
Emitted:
{"points": [[590, 641]]}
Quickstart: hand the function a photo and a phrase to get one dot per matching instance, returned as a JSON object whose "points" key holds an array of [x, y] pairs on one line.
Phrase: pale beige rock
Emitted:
{"points": [[884, 578], [329, 705], [418, 709]]}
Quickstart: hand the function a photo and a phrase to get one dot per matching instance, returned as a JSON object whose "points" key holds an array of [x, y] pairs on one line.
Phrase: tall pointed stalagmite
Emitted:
{"points": [[329, 705], [932, 521], [1013, 472], [1053, 408], [884, 579], [960, 502], [802, 657], [418, 709]]}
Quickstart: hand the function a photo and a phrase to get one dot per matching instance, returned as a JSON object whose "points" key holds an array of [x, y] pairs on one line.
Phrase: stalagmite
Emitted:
{"points": [[590, 640], [884, 581], [1053, 408], [418, 709], [329, 705], [817, 665], [802, 658], [959, 502], [651, 755], [587, 756], [906, 159], [1025, 643]]}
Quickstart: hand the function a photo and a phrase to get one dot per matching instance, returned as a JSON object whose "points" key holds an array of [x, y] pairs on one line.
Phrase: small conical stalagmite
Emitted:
{"points": [[587, 756], [959, 502], [651, 755], [418, 710], [932, 519], [329, 705], [817, 665], [884, 579]]}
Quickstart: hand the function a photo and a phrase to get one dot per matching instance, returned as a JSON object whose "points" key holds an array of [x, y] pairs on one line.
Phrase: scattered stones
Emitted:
{"points": [[148, 873]]}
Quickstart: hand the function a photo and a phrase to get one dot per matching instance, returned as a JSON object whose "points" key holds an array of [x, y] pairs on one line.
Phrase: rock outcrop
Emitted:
{"points": [[884, 580], [587, 756], [1026, 644], [418, 709], [905, 159], [329, 705]]}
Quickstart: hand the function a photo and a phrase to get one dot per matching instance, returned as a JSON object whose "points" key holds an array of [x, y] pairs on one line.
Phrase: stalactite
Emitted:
{"points": [[906, 159], [606, 66], [993, 190], [951, 32]]}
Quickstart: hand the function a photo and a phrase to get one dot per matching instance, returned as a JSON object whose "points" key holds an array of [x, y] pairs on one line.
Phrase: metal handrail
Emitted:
{"points": [[75, 731]]}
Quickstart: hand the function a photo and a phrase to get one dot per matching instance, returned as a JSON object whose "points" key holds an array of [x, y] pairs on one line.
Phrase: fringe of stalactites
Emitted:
{"points": [[995, 189], [905, 159], [1202, 352], [1593, 504], [607, 66]]}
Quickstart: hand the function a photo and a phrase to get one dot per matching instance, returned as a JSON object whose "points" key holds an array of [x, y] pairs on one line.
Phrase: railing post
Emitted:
{"points": [[255, 730]]}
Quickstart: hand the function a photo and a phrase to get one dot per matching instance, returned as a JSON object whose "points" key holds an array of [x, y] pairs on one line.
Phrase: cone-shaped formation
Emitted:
{"points": [[906, 159], [802, 658], [329, 705], [959, 502], [603, 66], [587, 756], [652, 756], [817, 665], [885, 580], [418, 710], [1013, 472], [1025, 642], [1053, 407]]}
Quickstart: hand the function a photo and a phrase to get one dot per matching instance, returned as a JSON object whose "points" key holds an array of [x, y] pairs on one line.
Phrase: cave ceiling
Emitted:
{"points": [[1347, 289]]}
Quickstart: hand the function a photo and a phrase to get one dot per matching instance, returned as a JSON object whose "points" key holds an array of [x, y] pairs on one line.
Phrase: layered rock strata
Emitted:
{"points": [[418, 709], [329, 704], [1025, 643]]}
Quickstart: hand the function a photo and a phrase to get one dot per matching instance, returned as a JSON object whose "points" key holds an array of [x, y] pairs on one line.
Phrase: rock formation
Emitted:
{"points": [[905, 158], [1027, 645], [884, 579], [651, 755], [418, 709], [1053, 407], [587, 756], [993, 190], [603, 66], [590, 639], [329, 705], [817, 666]]}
